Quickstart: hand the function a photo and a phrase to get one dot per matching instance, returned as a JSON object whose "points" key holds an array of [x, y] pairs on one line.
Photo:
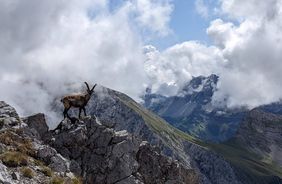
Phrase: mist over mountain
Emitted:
{"points": [[108, 147], [51, 51], [194, 111]]}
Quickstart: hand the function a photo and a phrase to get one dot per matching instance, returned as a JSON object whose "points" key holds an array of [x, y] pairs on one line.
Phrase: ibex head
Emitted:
{"points": [[90, 91]]}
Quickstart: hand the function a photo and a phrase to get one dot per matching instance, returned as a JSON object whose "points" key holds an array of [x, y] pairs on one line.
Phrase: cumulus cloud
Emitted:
{"points": [[172, 68], [246, 55], [50, 48], [154, 15], [202, 8], [252, 50]]}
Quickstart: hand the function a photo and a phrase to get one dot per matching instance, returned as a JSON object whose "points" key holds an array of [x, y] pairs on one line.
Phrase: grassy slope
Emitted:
{"points": [[250, 163], [239, 157], [155, 123]]}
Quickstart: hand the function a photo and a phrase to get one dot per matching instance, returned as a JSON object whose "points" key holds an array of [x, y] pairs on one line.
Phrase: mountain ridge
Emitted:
{"points": [[193, 111], [86, 149], [213, 163], [171, 141]]}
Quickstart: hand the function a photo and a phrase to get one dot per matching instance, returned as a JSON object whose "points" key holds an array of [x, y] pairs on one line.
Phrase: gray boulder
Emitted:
{"points": [[8, 116], [38, 123]]}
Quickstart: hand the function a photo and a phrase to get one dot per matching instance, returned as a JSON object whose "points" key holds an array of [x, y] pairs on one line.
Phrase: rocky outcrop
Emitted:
{"points": [[261, 133], [101, 155], [24, 158], [156, 168], [118, 111], [29, 153], [37, 123], [8, 116], [212, 162], [213, 167], [107, 105]]}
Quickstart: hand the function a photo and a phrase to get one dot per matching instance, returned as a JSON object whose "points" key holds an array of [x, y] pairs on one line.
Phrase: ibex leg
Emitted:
{"points": [[84, 111], [66, 113], [79, 113]]}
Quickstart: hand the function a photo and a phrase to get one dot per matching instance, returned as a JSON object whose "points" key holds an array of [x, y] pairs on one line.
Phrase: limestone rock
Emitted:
{"points": [[38, 123], [102, 155], [8, 116]]}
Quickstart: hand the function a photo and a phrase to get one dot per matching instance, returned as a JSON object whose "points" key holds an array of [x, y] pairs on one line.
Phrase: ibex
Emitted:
{"points": [[77, 101]]}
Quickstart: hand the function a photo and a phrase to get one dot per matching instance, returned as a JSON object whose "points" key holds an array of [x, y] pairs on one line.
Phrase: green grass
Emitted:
{"points": [[57, 180], [27, 172], [77, 180], [249, 162], [246, 160], [46, 171], [14, 159], [157, 124]]}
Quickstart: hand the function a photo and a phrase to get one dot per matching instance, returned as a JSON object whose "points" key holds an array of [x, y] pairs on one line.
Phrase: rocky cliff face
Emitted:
{"points": [[101, 155], [192, 111], [108, 147], [86, 151], [261, 133], [214, 163], [117, 110], [24, 157]]}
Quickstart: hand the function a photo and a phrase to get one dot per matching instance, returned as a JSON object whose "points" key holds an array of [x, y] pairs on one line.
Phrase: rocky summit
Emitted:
{"points": [[102, 155], [24, 156], [192, 110], [81, 152]]}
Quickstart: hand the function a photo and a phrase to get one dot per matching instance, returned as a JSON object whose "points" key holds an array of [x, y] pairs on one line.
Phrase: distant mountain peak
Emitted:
{"points": [[198, 84]]}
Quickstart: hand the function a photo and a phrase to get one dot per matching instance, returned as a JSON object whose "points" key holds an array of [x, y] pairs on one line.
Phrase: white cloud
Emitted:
{"points": [[49, 47], [202, 8], [247, 56], [171, 69], [252, 50], [251, 9], [155, 15]]}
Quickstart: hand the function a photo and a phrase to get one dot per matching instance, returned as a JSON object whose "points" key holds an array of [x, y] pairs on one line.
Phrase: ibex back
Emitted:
{"points": [[77, 101]]}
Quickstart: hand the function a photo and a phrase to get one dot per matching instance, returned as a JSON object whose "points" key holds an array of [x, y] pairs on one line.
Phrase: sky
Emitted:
{"points": [[187, 23], [49, 48]]}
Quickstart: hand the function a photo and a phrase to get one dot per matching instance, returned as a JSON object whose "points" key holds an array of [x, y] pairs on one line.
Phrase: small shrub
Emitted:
{"points": [[77, 180], [27, 149], [47, 171], [7, 138], [23, 145], [57, 180], [38, 162], [14, 159], [27, 172]]}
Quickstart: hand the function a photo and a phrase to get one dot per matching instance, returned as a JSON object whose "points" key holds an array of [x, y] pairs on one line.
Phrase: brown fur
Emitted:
{"points": [[77, 101]]}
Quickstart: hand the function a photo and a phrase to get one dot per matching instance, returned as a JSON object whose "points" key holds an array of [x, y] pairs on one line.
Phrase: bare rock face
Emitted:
{"points": [[24, 158], [261, 133], [104, 156], [112, 106], [38, 123], [8, 116], [5, 176], [156, 168]]}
